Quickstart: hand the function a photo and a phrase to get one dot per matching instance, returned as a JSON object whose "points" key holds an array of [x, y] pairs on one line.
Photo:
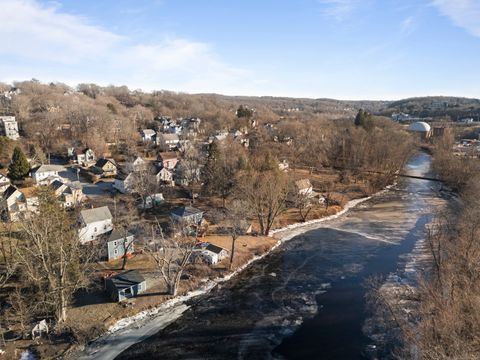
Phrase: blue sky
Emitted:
{"points": [[345, 49]]}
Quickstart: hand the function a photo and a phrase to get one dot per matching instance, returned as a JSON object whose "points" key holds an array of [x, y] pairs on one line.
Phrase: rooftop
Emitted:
{"points": [[127, 279], [118, 235], [167, 155], [47, 168], [186, 211], [214, 248], [93, 215], [102, 162]]}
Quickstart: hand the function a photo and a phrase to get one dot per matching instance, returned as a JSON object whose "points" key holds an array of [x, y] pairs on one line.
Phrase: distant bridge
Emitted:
{"points": [[427, 178]]}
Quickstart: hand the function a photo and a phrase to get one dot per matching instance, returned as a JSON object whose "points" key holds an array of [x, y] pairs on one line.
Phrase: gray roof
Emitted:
{"points": [[48, 167], [214, 248], [9, 191], [186, 211], [56, 184], [126, 279], [102, 162], [149, 132], [118, 235], [93, 215]]}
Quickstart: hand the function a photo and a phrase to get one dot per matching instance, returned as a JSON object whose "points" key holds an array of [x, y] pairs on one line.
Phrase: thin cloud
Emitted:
{"points": [[339, 9], [60, 45], [463, 13], [407, 26]]}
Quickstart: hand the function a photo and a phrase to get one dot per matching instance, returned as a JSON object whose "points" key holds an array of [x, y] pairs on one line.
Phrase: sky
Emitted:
{"points": [[343, 49]]}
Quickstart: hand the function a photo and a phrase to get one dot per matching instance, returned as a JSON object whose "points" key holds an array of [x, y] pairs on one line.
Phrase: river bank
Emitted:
{"points": [[134, 329], [306, 299]]}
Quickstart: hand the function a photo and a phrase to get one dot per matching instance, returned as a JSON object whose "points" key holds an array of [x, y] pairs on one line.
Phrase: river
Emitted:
{"points": [[305, 300]]}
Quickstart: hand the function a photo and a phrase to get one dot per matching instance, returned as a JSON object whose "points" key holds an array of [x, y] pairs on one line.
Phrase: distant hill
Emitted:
{"points": [[435, 106]]}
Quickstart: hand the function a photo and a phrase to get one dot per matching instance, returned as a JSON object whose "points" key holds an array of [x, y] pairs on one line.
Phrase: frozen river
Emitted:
{"points": [[306, 299]]}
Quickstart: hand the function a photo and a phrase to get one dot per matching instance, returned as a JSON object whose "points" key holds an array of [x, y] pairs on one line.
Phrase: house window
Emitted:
{"points": [[114, 243], [95, 229], [115, 252]]}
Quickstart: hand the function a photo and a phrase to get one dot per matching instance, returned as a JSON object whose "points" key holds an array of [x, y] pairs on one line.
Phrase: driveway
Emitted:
{"points": [[89, 189]]}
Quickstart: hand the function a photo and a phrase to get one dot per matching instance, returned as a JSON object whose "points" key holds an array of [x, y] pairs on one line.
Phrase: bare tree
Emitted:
{"points": [[124, 221], [265, 194], [172, 255], [237, 223], [144, 184], [303, 202], [50, 256]]}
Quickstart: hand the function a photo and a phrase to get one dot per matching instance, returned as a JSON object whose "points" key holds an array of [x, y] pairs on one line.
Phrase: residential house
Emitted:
{"points": [[165, 176], [304, 187], [174, 129], [4, 183], [168, 142], [208, 253], [124, 181], [119, 243], [187, 215], [70, 194], [125, 285], [94, 222], [16, 204], [45, 174], [152, 201], [137, 165], [9, 127], [167, 160], [85, 157], [148, 135], [107, 167]]}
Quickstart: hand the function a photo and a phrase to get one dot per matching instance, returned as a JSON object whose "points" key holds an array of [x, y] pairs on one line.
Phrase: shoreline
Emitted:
{"points": [[134, 329]]}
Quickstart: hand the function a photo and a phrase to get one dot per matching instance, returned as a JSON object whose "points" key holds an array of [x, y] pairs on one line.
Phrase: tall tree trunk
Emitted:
{"points": [[232, 251]]}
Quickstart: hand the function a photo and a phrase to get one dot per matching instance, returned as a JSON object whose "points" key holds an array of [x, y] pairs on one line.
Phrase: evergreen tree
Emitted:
{"points": [[364, 119], [244, 112], [360, 118], [19, 167]]}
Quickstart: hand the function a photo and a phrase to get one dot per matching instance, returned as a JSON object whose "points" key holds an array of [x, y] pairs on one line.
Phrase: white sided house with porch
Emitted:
{"points": [[93, 223]]}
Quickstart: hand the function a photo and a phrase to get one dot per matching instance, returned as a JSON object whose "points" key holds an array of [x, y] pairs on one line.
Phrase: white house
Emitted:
{"points": [[85, 157], [165, 176], [304, 187], [137, 165], [148, 135], [44, 174], [123, 182], [4, 183], [9, 127], [93, 223], [209, 253], [16, 204], [168, 141]]}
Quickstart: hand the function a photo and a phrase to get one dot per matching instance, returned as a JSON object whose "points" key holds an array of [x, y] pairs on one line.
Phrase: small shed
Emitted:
{"points": [[209, 253], [125, 285]]}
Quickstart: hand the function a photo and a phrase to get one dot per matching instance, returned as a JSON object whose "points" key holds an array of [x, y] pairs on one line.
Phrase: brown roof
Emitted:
{"points": [[167, 155]]}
